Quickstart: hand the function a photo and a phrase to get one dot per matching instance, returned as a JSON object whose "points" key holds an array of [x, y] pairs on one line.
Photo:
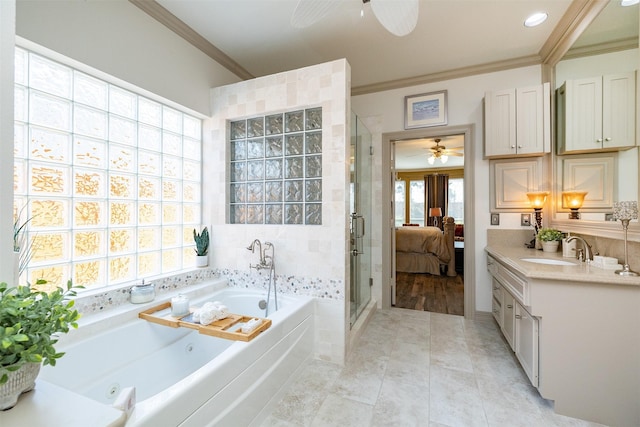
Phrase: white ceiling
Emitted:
{"points": [[450, 34]]}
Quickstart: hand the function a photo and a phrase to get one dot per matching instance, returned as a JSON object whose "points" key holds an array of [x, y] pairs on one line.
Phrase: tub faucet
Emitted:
{"points": [[252, 248], [588, 252]]}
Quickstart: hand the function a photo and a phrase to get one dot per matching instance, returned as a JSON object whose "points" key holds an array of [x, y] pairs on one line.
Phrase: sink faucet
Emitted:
{"points": [[588, 252]]}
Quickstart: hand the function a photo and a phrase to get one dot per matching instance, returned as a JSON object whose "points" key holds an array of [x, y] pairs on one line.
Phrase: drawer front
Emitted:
{"points": [[513, 283], [497, 291], [496, 310]]}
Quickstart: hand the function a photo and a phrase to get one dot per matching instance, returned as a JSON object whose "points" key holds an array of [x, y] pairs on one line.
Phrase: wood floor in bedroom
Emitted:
{"points": [[425, 292]]}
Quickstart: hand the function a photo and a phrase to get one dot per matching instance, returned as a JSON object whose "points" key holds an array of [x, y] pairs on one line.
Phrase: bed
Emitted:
{"points": [[426, 249]]}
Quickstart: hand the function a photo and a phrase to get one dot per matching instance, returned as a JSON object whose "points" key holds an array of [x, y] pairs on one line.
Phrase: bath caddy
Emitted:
{"points": [[220, 328]]}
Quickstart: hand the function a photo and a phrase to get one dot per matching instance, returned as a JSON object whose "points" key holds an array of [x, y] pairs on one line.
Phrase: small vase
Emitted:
{"points": [[550, 246], [202, 261], [20, 381]]}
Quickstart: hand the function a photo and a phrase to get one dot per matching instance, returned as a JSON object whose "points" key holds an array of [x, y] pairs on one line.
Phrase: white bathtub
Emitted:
{"points": [[183, 378]]}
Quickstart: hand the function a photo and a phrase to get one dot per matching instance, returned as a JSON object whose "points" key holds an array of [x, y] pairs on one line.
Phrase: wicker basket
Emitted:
{"points": [[20, 381]]}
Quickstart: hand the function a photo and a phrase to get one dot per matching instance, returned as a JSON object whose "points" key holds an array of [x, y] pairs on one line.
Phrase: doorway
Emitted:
{"points": [[429, 187], [388, 212]]}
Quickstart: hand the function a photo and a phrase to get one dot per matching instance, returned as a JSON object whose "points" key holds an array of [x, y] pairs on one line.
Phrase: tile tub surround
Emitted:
{"points": [[101, 301], [413, 368]]}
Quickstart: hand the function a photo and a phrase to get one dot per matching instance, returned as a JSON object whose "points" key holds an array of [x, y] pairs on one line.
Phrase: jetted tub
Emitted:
{"points": [[183, 378]]}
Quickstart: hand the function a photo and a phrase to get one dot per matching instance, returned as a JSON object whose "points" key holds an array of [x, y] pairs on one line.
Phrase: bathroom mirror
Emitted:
{"points": [[609, 45]]}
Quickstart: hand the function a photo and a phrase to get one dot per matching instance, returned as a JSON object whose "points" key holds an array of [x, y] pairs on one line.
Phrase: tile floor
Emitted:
{"points": [[413, 368]]}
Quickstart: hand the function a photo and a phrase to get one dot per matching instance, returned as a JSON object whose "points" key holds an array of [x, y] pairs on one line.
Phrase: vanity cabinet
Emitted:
{"points": [[597, 114], [517, 122], [518, 326]]}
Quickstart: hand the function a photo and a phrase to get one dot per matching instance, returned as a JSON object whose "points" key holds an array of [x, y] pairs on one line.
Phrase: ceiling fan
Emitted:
{"points": [[441, 152], [398, 17]]}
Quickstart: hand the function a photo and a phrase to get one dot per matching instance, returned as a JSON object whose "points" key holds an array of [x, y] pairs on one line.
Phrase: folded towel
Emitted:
{"points": [[210, 312], [251, 325]]}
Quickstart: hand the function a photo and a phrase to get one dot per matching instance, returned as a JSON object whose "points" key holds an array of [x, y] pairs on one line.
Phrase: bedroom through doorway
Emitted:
{"points": [[428, 200]]}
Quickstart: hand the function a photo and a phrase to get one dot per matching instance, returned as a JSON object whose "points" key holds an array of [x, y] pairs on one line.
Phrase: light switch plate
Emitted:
{"points": [[495, 219], [525, 220]]}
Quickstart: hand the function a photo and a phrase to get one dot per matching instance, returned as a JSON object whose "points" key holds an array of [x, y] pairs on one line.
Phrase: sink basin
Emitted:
{"points": [[548, 261]]}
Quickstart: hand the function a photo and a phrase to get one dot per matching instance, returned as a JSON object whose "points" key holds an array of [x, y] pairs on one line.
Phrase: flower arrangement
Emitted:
{"points": [[549, 235]]}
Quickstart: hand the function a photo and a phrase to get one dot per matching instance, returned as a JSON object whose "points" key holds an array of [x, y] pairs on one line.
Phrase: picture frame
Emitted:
{"points": [[425, 110]]}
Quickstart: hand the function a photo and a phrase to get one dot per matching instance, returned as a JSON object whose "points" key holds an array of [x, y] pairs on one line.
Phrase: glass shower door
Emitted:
{"points": [[360, 218]]}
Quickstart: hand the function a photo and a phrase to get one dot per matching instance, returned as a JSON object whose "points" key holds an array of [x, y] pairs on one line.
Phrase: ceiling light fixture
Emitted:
{"points": [[535, 19], [629, 2]]}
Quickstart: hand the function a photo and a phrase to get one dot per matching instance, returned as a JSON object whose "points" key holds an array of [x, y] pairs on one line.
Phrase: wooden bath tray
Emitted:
{"points": [[219, 328]]}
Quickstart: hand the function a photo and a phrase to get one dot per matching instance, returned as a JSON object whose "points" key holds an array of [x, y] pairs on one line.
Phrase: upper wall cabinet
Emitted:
{"points": [[597, 114], [517, 122]]}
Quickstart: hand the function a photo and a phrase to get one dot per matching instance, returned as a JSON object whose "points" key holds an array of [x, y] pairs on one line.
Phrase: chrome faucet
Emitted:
{"points": [[252, 248], [267, 262], [588, 252]]}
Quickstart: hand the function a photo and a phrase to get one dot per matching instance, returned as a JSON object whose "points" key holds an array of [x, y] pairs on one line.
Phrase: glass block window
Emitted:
{"points": [[111, 179], [276, 169]]}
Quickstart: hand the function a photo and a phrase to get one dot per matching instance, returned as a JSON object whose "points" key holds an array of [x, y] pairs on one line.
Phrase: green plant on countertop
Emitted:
{"points": [[202, 241], [549, 235], [30, 321]]}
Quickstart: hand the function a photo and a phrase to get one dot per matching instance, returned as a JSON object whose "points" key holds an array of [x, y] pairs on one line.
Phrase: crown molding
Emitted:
{"points": [[169, 20], [457, 73], [602, 48], [573, 23]]}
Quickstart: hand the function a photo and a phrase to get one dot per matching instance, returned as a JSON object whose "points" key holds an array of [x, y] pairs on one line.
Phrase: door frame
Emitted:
{"points": [[388, 221]]}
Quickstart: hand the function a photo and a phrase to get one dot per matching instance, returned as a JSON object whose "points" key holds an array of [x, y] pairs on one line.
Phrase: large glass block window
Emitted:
{"points": [[276, 169], [109, 178]]}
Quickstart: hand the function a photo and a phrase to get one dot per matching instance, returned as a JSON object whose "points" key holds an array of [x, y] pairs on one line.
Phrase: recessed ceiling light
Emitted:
{"points": [[535, 19], [629, 2]]}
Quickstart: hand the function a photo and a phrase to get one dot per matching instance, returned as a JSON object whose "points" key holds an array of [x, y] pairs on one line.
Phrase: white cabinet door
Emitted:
{"points": [[526, 342], [500, 123], [618, 110], [508, 318], [532, 125]]}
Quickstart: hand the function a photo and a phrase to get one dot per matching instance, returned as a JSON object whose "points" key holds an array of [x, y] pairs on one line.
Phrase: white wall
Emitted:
{"points": [[465, 97], [7, 35], [118, 38]]}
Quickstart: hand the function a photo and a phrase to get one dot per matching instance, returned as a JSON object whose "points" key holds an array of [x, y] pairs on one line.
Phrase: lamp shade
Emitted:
{"points": [[435, 211], [573, 199], [537, 198]]}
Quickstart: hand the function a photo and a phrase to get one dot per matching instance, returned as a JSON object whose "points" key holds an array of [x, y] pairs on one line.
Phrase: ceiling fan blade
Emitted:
{"points": [[308, 12], [453, 154], [399, 17]]}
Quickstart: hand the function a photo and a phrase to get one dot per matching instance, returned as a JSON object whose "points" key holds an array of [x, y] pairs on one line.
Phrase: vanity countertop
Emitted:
{"points": [[580, 272]]}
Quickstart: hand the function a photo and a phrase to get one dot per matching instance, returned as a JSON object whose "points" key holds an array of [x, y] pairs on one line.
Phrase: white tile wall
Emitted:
{"points": [[316, 256]]}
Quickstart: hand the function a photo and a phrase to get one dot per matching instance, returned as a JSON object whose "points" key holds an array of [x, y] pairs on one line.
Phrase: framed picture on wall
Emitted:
{"points": [[426, 109]]}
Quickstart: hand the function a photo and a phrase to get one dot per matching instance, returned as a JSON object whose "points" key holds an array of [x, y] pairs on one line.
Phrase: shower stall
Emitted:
{"points": [[360, 218]]}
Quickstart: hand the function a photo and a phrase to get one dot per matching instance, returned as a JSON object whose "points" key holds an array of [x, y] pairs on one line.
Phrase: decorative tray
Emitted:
{"points": [[229, 328]]}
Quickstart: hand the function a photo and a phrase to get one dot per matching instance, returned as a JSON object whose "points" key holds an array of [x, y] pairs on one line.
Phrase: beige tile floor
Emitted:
{"points": [[413, 368]]}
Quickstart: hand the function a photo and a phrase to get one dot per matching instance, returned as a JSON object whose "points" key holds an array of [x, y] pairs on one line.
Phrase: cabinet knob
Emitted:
{"points": [[599, 140], [513, 146], [509, 306], [519, 146], [607, 139], [518, 316]]}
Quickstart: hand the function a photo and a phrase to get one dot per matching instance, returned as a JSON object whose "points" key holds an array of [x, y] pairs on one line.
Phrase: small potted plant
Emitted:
{"points": [[30, 321], [202, 247], [550, 238]]}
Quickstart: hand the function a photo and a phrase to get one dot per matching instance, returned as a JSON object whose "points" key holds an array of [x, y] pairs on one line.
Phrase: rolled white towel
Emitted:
{"points": [[210, 312]]}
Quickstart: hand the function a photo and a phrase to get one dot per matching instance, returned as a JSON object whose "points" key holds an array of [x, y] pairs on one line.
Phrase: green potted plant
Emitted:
{"points": [[30, 322], [550, 238], [202, 247]]}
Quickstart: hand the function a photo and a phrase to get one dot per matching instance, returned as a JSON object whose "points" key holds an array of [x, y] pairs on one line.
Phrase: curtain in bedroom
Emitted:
{"points": [[436, 195]]}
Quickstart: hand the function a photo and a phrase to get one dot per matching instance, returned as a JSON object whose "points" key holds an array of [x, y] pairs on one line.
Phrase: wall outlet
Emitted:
{"points": [[525, 220], [495, 219]]}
